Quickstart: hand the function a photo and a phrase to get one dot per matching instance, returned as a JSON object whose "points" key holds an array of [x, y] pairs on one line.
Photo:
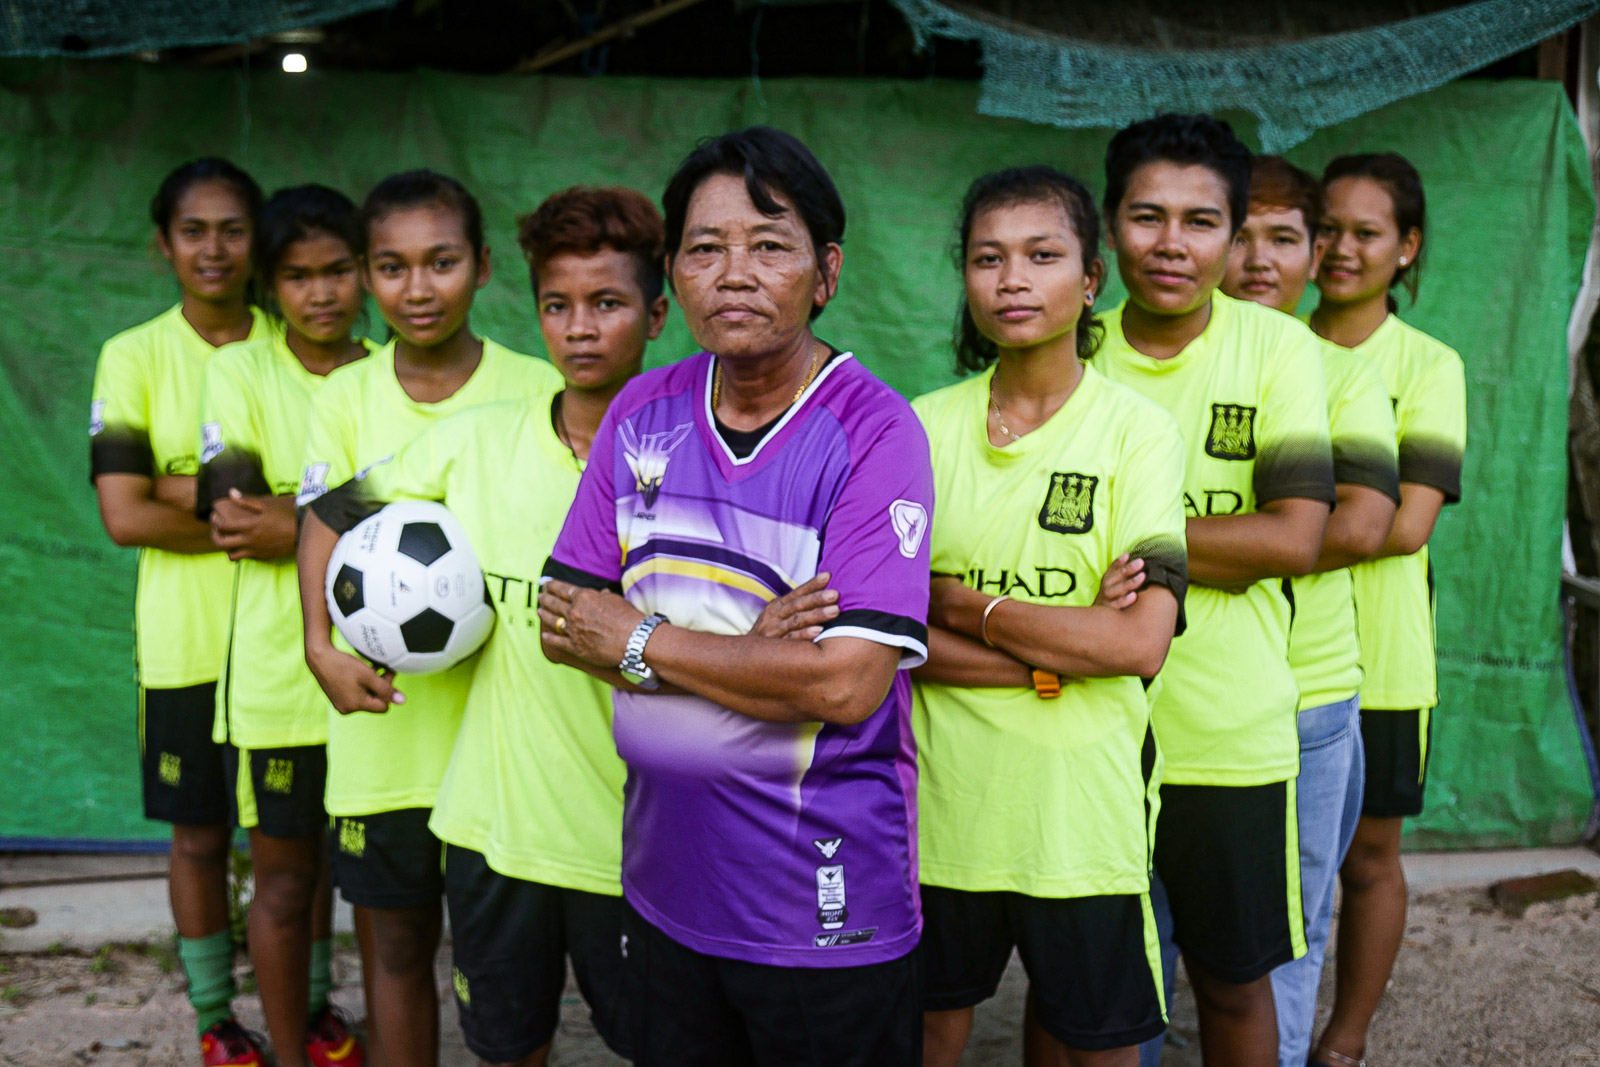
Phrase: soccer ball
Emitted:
{"points": [[405, 589]]}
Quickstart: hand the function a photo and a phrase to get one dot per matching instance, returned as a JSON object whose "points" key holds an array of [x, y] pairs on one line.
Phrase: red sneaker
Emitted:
{"points": [[227, 1044], [329, 1042]]}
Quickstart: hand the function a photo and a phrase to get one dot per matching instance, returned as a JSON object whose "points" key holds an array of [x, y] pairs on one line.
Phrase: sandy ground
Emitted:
{"points": [[1472, 988]]}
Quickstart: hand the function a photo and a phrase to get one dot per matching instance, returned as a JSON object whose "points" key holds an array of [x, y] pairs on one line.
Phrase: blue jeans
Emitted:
{"points": [[1329, 792]]}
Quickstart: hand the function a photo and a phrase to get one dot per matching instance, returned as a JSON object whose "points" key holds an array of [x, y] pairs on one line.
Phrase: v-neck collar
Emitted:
{"points": [[706, 422]]}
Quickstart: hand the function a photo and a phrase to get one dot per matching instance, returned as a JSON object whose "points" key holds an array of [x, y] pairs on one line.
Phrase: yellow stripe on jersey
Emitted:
{"points": [[1394, 604], [1044, 797], [1249, 399], [534, 781], [359, 420], [708, 572], [144, 419]]}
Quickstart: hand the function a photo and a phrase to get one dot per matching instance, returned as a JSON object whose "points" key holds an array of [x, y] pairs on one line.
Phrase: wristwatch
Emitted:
{"points": [[633, 668]]}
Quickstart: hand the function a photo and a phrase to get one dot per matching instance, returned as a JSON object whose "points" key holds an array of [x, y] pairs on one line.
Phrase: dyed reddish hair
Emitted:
{"points": [[586, 219], [1275, 182]]}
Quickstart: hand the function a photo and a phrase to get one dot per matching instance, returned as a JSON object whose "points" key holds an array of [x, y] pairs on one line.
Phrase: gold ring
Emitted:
{"points": [[561, 624]]}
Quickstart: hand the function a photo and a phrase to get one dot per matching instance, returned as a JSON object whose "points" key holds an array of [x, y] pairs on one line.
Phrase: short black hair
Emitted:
{"points": [[1190, 140], [771, 162], [164, 204], [293, 214], [1025, 185], [414, 188]]}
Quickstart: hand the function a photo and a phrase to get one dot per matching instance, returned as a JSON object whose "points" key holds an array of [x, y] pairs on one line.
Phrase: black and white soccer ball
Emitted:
{"points": [[405, 589]]}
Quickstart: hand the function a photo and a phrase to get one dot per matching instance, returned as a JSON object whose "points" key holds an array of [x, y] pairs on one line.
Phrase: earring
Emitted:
{"points": [[1403, 261], [1088, 298]]}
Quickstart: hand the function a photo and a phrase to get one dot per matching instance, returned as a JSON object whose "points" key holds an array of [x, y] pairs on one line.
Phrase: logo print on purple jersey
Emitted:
{"points": [[910, 522], [647, 456]]}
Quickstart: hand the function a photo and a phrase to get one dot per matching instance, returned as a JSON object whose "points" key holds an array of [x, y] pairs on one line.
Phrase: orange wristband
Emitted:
{"points": [[1046, 684]]}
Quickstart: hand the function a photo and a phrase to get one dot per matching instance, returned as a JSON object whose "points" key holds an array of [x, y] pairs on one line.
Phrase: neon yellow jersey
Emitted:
{"points": [[534, 782], [254, 408], [361, 418], [142, 420], [1250, 402], [1394, 597], [1323, 651], [1044, 797]]}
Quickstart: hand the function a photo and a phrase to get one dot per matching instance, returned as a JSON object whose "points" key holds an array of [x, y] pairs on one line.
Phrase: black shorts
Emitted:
{"points": [[1094, 963], [1230, 859], [388, 860], [278, 791], [688, 1009], [185, 775], [512, 941], [1397, 745]]}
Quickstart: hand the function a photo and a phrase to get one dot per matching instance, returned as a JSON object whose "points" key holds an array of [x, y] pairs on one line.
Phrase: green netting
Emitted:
{"points": [[81, 147], [1292, 88], [116, 27]]}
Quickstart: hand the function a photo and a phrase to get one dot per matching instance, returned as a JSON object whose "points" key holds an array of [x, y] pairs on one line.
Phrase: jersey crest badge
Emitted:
{"points": [[1069, 505], [647, 457], [1233, 432]]}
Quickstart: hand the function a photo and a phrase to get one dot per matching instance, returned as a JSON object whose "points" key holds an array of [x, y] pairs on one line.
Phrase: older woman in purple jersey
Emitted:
{"points": [[769, 855]]}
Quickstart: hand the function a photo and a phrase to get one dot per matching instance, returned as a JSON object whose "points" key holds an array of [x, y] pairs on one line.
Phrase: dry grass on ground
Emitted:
{"points": [[1472, 988]]}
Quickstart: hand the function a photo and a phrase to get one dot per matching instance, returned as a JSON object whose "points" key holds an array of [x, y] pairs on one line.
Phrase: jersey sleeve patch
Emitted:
{"points": [[1295, 467], [1433, 462], [885, 628]]}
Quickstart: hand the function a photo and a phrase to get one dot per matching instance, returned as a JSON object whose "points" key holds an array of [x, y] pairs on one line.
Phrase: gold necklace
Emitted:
{"points": [[811, 373], [994, 406]]}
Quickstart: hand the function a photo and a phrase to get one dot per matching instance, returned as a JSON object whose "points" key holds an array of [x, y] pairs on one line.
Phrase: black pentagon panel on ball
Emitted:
{"points": [[347, 593], [423, 542], [427, 631]]}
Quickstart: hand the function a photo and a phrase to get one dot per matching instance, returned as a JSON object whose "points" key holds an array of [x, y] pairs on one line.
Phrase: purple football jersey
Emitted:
{"points": [[783, 844]]}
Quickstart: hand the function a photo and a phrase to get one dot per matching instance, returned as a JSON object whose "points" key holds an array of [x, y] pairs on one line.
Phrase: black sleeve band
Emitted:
{"points": [[1432, 462], [341, 508], [554, 568], [1364, 462], [906, 632], [1293, 468], [233, 469], [120, 450], [1166, 564]]}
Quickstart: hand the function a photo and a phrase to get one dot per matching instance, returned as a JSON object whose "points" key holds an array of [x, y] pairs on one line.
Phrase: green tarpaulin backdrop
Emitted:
{"points": [[82, 147]]}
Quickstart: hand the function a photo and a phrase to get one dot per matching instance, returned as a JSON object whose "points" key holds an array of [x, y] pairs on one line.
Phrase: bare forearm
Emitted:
{"points": [[1084, 642], [1233, 550], [317, 541], [954, 659], [1414, 522], [1357, 528], [135, 520], [774, 679]]}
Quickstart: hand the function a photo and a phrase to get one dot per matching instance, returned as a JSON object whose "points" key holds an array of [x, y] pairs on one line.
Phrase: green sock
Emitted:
{"points": [[208, 961], [321, 974]]}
